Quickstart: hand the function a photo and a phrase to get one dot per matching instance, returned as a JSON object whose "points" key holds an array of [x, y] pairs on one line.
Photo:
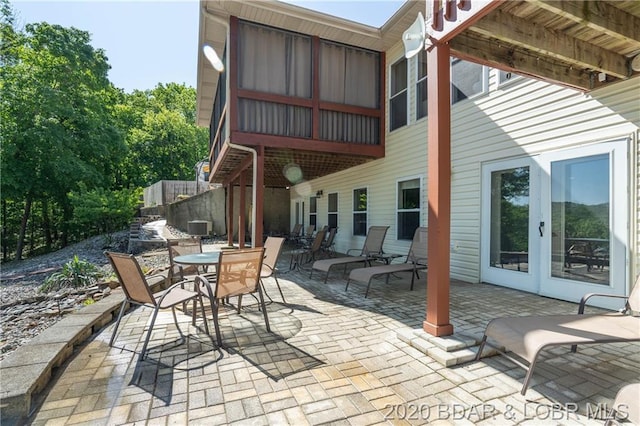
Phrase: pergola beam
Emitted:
{"points": [[489, 53], [549, 43]]}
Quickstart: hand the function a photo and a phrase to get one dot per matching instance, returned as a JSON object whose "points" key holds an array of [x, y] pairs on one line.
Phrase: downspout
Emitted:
{"points": [[254, 153]]}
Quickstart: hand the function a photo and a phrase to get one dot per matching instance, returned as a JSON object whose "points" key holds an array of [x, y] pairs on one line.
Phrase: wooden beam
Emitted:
{"points": [[504, 57], [229, 214], [258, 226], [242, 167], [597, 15], [543, 41], [275, 141]]}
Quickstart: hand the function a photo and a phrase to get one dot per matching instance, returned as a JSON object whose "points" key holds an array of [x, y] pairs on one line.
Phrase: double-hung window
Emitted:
{"points": [[408, 208], [421, 85], [467, 80], [332, 210], [398, 95], [360, 206], [313, 211]]}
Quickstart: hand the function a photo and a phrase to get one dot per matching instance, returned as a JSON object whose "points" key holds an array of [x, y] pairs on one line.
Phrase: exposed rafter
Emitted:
{"points": [[597, 15], [536, 38]]}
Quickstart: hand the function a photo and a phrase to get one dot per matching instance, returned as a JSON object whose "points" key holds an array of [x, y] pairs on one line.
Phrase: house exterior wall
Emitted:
{"points": [[520, 118]]}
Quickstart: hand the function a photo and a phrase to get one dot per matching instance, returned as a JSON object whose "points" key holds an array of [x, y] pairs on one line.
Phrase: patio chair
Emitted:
{"points": [[416, 259], [295, 232], [328, 244], [527, 336], [372, 246], [306, 254], [272, 250], [626, 405], [137, 292], [238, 274], [179, 247]]}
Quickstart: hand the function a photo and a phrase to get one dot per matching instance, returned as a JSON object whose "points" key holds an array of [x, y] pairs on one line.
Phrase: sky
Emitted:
{"points": [[151, 42]]}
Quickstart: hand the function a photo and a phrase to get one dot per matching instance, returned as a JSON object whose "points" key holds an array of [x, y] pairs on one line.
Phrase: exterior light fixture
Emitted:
{"points": [[213, 58]]}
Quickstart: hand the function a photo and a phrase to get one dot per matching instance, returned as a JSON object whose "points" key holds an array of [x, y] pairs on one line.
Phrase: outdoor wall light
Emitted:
{"points": [[213, 58], [319, 193]]}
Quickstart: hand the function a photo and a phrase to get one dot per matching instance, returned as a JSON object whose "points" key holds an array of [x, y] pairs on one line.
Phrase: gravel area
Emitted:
{"points": [[25, 312]]}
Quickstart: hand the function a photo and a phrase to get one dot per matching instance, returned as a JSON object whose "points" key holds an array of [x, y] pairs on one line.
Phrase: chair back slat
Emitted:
{"points": [[309, 231], [131, 277], [418, 249], [238, 272], [374, 241]]}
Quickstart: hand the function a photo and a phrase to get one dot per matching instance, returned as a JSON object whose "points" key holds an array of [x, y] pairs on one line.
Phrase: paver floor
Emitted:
{"points": [[333, 357]]}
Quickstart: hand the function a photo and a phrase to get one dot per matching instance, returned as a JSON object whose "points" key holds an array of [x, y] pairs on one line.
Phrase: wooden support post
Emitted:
{"points": [[242, 207], [439, 190], [230, 214], [259, 225]]}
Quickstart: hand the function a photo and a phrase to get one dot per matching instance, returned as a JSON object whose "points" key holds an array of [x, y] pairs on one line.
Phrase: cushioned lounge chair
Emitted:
{"points": [[526, 336], [416, 259], [372, 247]]}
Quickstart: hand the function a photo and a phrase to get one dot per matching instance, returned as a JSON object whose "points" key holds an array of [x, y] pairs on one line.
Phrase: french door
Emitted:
{"points": [[556, 224]]}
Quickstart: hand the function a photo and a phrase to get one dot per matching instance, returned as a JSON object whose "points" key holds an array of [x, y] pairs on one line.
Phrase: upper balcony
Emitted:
{"points": [[297, 98]]}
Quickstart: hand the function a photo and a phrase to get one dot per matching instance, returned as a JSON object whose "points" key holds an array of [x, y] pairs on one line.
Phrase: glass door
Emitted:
{"points": [[509, 242], [584, 222]]}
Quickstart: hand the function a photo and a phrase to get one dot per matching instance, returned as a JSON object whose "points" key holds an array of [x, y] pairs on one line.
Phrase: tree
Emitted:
{"points": [[57, 123], [163, 139]]}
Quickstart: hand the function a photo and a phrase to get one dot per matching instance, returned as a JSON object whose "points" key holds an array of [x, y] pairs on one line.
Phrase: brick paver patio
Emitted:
{"points": [[333, 357]]}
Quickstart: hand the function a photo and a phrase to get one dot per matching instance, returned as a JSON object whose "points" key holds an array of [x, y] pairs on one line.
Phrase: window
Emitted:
{"points": [[398, 95], [313, 211], [421, 85], [467, 80], [360, 211], [332, 217], [408, 208]]}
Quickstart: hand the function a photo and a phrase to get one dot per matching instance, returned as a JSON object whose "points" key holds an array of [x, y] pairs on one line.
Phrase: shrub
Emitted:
{"points": [[76, 273]]}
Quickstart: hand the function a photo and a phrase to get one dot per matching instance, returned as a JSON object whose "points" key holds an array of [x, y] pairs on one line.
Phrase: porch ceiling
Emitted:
{"points": [[566, 42], [280, 163]]}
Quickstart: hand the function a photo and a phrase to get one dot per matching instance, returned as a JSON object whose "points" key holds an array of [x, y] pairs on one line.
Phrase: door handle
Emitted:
{"points": [[541, 229]]}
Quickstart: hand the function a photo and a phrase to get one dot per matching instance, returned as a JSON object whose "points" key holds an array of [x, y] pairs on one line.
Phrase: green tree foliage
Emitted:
{"points": [[163, 140], [101, 211], [74, 149], [58, 129]]}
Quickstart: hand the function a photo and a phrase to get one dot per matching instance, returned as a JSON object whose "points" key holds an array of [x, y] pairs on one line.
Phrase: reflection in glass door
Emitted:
{"points": [[509, 250], [580, 205], [584, 201]]}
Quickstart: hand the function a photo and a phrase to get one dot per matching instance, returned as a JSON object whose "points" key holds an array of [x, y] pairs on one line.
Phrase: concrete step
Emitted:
{"points": [[448, 350]]}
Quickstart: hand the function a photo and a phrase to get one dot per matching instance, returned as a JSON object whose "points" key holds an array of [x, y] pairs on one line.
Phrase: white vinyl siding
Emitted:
{"points": [[524, 117]]}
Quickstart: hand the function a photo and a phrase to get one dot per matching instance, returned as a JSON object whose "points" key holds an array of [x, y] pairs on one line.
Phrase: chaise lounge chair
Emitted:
{"points": [[527, 336], [416, 259], [372, 247]]}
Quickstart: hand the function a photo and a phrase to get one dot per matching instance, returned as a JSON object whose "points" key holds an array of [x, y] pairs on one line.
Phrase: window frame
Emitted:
{"points": [[359, 212], [393, 96], [418, 81], [418, 210], [484, 80], [313, 211]]}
